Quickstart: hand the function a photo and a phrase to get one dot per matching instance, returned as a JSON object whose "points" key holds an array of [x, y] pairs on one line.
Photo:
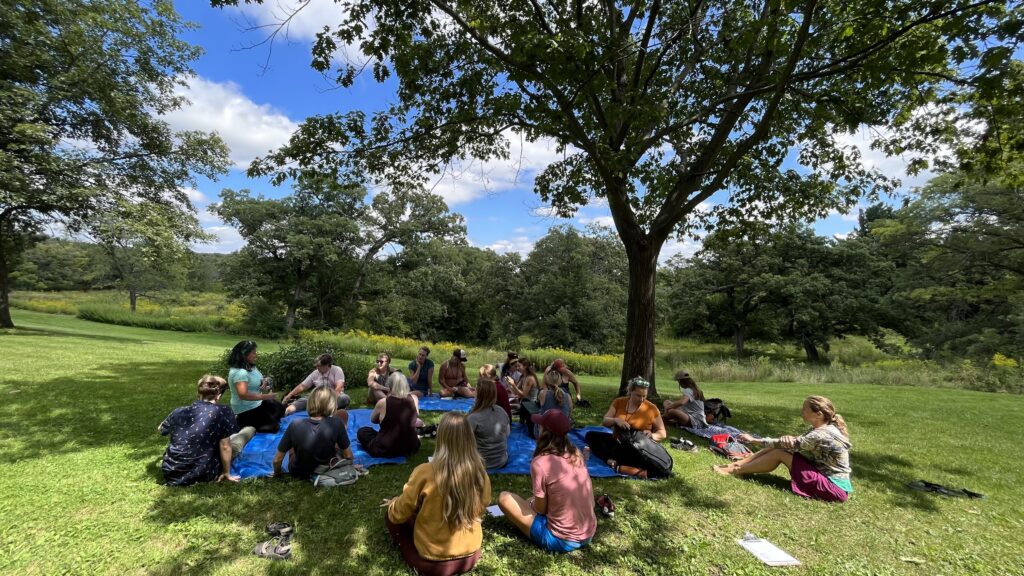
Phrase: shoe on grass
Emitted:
{"points": [[239, 440]]}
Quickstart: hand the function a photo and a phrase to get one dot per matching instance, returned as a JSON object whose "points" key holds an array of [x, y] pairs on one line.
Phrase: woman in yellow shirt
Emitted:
{"points": [[435, 521]]}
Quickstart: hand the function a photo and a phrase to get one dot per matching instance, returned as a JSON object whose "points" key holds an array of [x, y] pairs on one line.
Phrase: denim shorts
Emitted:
{"points": [[542, 536]]}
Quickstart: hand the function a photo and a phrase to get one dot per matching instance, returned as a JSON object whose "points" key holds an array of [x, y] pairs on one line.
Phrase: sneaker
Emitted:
{"points": [[239, 440], [606, 506], [428, 431], [683, 444]]}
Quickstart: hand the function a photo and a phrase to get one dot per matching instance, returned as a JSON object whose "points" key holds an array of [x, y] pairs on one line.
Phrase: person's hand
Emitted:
{"points": [[578, 397], [746, 438], [622, 423], [229, 478], [648, 433], [386, 502], [787, 442]]}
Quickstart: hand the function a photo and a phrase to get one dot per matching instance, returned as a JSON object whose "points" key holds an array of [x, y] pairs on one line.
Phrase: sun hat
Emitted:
{"points": [[554, 421]]}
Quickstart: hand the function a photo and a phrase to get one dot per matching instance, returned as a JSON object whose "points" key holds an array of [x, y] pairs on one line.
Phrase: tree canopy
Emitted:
{"points": [[656, 105], [82, 87]]}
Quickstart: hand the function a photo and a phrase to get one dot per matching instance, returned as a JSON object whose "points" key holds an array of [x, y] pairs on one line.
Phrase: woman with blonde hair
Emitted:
{"points": [[397, 413], [490, 424], [316, 440], [435, 521], [632, 412], [818, 461], [553, 397], [560, 515]]}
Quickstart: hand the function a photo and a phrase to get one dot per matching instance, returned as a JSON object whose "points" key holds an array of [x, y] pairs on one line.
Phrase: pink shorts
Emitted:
{"points": [[809, 483]]}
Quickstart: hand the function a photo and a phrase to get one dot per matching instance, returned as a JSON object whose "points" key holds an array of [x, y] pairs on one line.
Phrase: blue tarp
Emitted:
{"points": [[257, 459], [436, 404]]}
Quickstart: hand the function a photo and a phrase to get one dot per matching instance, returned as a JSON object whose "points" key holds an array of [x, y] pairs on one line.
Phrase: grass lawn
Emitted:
{"points": [[80, 485]]}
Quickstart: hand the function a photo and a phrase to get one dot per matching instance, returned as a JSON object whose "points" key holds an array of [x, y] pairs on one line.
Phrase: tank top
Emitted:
{"points": [[397, 435]]}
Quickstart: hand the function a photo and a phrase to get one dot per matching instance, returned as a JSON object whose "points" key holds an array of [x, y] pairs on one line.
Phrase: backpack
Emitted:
{"points": [[655, 455], [716, 412], [726, 445], [340, 472]]}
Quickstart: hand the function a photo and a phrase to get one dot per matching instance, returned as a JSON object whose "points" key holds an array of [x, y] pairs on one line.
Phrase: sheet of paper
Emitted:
{"points": [[767, 552], [430, 458], [495, 511]]}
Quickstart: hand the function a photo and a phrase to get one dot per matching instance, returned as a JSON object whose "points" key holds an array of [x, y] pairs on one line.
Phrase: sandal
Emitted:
{"points": [[683, 444], [280, 529], [360, 469], [275, 548]]}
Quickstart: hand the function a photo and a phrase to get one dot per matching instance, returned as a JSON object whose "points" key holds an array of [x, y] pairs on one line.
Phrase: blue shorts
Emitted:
{"points": [[542, 536]]}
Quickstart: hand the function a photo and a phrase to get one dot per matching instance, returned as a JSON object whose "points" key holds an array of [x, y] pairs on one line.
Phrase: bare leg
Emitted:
{"points": [[764, 461], [465, 392], [289, 410], [517, 510], [676, 416], [418, 394], [446, 392]]}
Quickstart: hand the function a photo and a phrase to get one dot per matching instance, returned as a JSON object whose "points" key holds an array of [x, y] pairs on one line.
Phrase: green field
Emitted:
{"points": [[80, 491]]}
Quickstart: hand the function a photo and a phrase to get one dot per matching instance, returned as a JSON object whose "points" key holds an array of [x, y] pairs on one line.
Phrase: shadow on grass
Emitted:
{"points": [[57, 333], [121, 405]]}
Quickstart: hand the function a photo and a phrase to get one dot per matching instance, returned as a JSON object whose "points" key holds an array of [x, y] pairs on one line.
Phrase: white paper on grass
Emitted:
{"points": [[495, 511], [767, 552]]}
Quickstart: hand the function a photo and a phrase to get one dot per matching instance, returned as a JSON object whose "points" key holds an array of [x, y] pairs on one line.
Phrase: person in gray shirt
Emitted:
{"points": [[490, 425], [688, 410]]}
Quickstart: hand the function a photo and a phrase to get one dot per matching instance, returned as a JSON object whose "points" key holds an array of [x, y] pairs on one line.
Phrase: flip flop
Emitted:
{"points": [[280, 529], [275, 548]]}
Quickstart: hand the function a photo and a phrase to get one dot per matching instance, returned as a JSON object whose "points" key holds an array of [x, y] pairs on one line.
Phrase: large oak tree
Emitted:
{"points": [[657, 105]]}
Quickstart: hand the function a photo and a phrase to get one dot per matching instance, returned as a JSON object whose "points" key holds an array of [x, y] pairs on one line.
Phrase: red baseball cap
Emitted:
{"points": [[553, 421], [558, 364]]}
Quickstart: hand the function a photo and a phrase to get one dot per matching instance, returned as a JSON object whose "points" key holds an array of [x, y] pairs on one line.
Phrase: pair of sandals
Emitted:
{"points": [[279, 547], [428, 431], [683, 444]]}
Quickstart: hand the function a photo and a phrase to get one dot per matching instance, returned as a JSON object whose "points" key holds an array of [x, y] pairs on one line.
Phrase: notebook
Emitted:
{"points": [[767, 552]]}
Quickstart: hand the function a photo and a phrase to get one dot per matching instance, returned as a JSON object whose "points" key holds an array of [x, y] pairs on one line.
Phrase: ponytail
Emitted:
{"points": [[840, 423], [823, 406], [553, 382]]}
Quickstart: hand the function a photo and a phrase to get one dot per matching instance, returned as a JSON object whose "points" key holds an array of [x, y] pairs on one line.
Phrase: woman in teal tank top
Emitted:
{"points": [[251, 398]]}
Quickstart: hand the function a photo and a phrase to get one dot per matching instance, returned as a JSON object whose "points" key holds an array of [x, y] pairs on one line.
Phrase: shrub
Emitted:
{"points": [[115, 315]]}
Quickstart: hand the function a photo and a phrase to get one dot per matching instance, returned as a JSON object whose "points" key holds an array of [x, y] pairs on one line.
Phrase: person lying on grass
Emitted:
{"points": [[252, 399], [689, 409], [204, 438], [435, 521], [316, 440], [818, 461], [560, 515], [324, 374], [634, 412]]}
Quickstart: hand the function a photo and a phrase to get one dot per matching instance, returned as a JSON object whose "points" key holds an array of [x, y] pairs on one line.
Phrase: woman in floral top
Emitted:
{"points": [[818, 461]]}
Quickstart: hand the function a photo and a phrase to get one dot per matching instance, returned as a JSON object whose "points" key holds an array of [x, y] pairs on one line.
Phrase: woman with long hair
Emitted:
{"points": [[435, 521], [818, 461], [560, 515], [490, 372], [490, 424], [251, 398], [553, 397], [527, 386], [632, 412], [397, 413], [689, 409]]}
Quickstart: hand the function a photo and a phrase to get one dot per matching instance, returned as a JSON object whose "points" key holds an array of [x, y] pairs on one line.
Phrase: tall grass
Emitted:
{"points": [[180, 323]]}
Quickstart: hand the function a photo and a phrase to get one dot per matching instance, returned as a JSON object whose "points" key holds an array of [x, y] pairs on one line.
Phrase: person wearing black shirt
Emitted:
{"points": [[315, 440]]}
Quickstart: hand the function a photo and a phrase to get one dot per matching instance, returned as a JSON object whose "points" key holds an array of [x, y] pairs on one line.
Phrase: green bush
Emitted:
{"points": [[291, 363]]}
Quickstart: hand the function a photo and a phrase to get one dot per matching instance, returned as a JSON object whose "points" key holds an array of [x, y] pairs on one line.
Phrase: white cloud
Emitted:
{"points": [[841, 235], [301, 25], [686, 247], [226, 239], [603, 221], [248, 128], [892, 166], [471, 179], [195, 196], [544, 212], [520, 244]]}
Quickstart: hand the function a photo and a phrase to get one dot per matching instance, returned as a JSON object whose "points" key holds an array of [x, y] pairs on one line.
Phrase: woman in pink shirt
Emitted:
{"points": [[560, 515]]}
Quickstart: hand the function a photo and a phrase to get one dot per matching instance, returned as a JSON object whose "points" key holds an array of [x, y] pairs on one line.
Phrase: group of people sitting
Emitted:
{"points": [[436, 519]]}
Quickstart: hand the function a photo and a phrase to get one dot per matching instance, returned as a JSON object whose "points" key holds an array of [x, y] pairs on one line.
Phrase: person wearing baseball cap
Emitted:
{"points": [[560, 515], [567, 377], [452, 377]]}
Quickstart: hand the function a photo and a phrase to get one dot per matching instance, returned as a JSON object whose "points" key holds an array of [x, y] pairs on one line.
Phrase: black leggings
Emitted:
{"points": [[606, 447], [264, 418]]}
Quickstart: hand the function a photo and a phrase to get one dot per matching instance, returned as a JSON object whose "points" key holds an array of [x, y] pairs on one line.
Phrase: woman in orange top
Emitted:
{"points": [[435, 521], [633, 412]]}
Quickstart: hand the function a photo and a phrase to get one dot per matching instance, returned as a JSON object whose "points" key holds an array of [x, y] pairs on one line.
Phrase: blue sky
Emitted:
{"points": [[255, 95]]}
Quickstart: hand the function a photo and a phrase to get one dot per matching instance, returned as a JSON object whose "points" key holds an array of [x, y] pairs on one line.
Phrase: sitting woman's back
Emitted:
{"points": [[397, 415], [490, 425]]}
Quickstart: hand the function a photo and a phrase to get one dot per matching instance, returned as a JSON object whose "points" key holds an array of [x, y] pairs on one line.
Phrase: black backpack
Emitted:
{"points": [[655, 455], [716, 412]]}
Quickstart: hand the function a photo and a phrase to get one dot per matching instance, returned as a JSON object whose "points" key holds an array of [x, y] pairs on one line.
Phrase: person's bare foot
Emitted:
{"points": [[723, 469]]}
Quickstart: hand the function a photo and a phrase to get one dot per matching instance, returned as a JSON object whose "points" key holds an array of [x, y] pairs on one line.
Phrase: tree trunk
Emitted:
{"points": [[360, 278], [5, 287], [293, 304], [133, 298], [812, 351], [638, 359], [739, 338]]}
